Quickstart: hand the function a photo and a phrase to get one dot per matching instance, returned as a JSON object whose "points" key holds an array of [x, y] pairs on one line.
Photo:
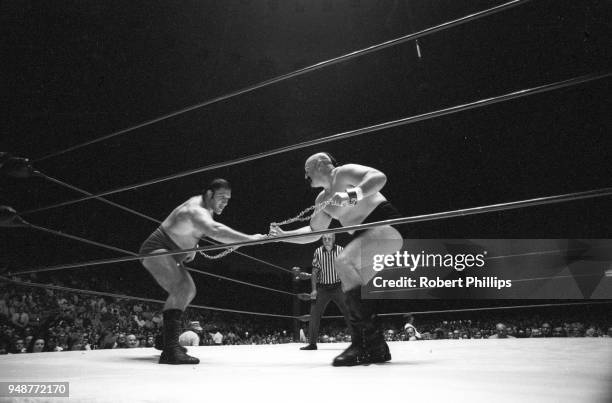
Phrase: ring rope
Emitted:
{"points": [[299, 72], [546, 200], [122, 296], [344, 135], [488, 308], [77, 238], [239, 281], [537, 253], [102, 199], [127, 252], [146, 217]]}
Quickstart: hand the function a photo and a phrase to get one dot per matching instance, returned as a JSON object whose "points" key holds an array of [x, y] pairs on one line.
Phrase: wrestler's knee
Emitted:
{"points": [[153, 263], [147, 263], [186, 288], [190, 291]]}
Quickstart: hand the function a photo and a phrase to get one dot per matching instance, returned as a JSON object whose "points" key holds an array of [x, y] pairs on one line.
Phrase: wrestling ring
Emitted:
{"points": [[542, 370]]}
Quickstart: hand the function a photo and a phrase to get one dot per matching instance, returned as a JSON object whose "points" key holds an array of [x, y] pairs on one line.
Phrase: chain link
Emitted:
{"points": [[316, 209], [218, 255]]}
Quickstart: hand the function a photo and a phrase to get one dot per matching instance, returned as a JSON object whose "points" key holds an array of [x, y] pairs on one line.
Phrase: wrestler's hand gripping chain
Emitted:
{"points": [[316, 209]]}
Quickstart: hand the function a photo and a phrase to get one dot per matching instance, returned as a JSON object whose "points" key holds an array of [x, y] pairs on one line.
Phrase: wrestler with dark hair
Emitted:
{"points": [[182, 229]]}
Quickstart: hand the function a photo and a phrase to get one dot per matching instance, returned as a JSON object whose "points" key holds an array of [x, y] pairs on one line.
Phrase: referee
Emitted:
{"points": [[325, 287]]}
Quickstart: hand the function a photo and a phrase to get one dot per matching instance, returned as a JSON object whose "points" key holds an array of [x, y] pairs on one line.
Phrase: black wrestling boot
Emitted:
{"points": [[172, 353], [159, 343], [309, 347], [355, 353], [368, 344]]}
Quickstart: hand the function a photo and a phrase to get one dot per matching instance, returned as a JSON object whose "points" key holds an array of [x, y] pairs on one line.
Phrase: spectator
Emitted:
{"points": [[558, 332], [140, 322], [217, 338], [52, 345], [191, 337], [18, 347], [501, 332], [121, 341], [576, 329], [76, 345], [4, 310], [411, 333], [3, 347], [108, 339], [81, 323], [86, 342], [20, 318], [131, 341]]}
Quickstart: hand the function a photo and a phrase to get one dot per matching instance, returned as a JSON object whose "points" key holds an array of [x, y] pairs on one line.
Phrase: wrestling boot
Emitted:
{"points": [[172, 352], [309, 347], [159, 343], [368, 345]]}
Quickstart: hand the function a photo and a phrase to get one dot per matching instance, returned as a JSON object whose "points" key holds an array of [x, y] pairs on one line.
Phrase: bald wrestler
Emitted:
{"points": [[360, 186], [182, 229]]}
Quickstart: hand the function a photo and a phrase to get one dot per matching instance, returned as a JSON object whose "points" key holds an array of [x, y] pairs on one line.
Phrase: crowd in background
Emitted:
{"points": [[496, 325], [37, 319]]}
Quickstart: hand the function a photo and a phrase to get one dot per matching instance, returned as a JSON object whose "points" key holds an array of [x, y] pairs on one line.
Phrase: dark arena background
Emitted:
{"points": [[124, 110]]}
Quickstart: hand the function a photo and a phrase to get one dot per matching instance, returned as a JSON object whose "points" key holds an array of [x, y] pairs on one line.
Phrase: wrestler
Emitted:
{"points": [[355, 194], [182, 229]]}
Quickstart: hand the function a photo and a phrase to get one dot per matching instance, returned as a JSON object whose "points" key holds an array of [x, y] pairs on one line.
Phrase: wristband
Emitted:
{"points": [[355, 194]]}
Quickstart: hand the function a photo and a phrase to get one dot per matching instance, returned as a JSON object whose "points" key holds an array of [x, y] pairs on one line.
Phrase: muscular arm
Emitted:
{"points": [[217, 231], [370, 180]]}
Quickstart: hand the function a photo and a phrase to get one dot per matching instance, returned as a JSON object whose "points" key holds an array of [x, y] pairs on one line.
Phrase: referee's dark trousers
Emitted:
{"points": [[325, 294]]}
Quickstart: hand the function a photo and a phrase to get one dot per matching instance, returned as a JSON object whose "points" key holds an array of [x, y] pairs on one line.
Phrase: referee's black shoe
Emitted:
{"points": [[309, 347]]}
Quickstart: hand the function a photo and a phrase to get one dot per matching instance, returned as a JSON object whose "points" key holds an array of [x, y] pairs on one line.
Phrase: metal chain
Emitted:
{"points": [[316, 209], [218, 255]]}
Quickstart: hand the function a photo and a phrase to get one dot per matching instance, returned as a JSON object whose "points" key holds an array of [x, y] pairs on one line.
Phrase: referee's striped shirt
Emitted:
{"points": [[324, 261]]}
